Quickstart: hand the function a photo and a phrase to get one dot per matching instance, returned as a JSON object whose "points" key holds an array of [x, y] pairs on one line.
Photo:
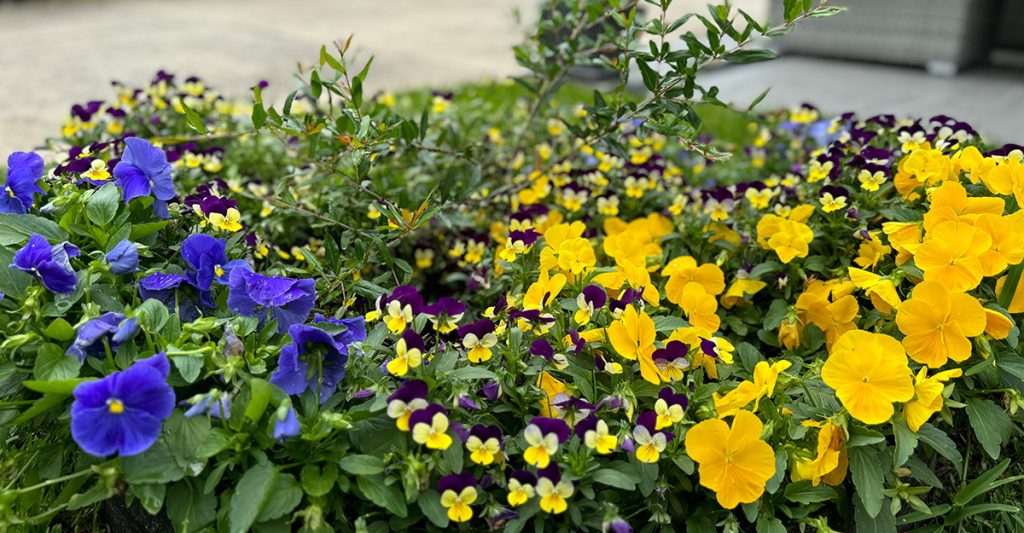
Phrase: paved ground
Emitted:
{"points": [[989, 98], [58, 52]]}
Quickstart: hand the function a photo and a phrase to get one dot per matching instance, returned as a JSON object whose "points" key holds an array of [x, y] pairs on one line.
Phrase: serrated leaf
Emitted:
{"points": [[991, 424], [868, 477]]}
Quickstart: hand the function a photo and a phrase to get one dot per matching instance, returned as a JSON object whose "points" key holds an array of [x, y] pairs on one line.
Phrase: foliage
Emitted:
{"points": [[503, 307]]}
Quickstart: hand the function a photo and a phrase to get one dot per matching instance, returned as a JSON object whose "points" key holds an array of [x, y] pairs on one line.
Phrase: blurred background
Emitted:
{"points": [[909, 57]]}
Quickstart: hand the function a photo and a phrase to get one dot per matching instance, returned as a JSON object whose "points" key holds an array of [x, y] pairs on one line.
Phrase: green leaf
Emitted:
{"points": [[362, 465], [941, 443], [285, 495], [155, 465], [805, 493], [184, 436], [1010, 285], [60, 330], [906, 442], [317, 482], [649, 75], [868, 477], [750, 56], [188, 508], [388, 496], [614, 478], [13, 282], [64, 386], [16, 229], [881, 522], [261, 392], [470, 372], [102, 205], [960, 515], [251, 494], [991, 424], [984, 483], [53, 365], [194, 120], [189, 366], [430, 503]]}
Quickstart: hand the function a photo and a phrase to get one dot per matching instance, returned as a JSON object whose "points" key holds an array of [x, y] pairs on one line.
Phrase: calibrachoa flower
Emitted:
{"points": [[289, 301], [315, 360], [429, 427], [543, 436], [144, 171], [458, 492], [409, 398], [520, 487], [484, 444], [123, 258], [733, 460], [24, 170], [648, 441], [554, 492], [869, 373], [938, 323], [123, 412], [111, 329], [50, 265], [409, 352]]}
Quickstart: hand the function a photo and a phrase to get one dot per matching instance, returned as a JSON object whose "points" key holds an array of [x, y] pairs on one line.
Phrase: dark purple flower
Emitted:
{"points": [[456, 482], [555, 426], [124, 258], [583, 426], [595, 296], [426, 415], [649, 421], [144, 170], [289, 301], [542, 348], [491, 390], [479, 328], [50, 265], [112, 327], [24, 169], [709, 348], [123, 412], [551, 473], [315, 361], [411, 390], [671, 398], [467, 403]]}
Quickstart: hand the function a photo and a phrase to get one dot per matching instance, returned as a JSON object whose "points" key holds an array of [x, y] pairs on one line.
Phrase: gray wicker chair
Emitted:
{"points": [[941, 35]]}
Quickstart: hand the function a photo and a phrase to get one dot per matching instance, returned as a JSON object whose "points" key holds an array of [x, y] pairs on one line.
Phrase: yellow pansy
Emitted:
{"points": [[869, 373], [733, 461]]}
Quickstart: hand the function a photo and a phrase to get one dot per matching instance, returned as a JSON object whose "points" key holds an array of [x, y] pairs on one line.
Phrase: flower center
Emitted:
{"points": [[115, 406], [218, 270]]}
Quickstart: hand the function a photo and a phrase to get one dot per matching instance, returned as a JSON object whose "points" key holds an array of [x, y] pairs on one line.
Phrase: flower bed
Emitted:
{"points": [[347, 318]]}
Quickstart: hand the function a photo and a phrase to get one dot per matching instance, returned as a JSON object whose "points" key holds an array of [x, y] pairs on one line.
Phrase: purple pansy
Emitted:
{"points": [[208, 261], [289, 301], [112, 327], [123, 258], [456, 482], [166, 289], [24, 169], [142, 171], [50, 265], [123, 412], [551, 426], [286, 425], [328, 352]]}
